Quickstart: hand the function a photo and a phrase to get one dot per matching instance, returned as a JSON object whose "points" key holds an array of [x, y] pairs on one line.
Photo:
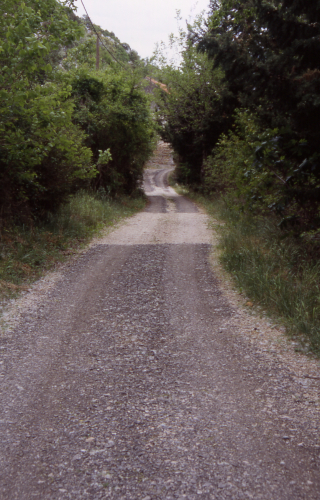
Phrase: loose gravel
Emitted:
{"points": [[135, 372]]}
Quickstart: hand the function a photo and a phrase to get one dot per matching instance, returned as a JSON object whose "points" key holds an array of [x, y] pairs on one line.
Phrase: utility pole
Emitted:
{"points": [[97, 55]]}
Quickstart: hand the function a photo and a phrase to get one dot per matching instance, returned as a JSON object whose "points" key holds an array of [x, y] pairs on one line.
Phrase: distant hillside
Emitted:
{"points": [[122, 51]]}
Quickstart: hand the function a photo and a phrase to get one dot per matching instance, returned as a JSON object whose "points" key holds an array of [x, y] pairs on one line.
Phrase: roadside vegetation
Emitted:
{"points": [[278, 275], [73, 137], [242, 115], [25, 252]]}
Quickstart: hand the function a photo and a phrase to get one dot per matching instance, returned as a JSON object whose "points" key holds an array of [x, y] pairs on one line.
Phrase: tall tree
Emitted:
{"points": [[196, 109], [269, 51]]}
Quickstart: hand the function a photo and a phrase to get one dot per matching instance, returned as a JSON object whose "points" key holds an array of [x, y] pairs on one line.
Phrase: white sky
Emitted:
{"points": [[140, 23]]}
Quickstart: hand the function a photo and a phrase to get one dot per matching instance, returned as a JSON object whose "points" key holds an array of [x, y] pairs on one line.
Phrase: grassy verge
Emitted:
{"points": [[278, 272], [25, 253]]}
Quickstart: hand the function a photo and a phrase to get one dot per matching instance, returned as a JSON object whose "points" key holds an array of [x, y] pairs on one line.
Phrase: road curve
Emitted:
{"points": [[161, 195], [129, 379]]}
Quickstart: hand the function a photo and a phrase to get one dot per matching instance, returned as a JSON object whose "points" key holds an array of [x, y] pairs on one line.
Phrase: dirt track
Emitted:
{"points": [[130, 379]]}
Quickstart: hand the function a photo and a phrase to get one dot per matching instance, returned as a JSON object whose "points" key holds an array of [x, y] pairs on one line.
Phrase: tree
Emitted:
{"points": [[42, 155], [114, 111], [196, 108], [270, 54], [63, 126]]}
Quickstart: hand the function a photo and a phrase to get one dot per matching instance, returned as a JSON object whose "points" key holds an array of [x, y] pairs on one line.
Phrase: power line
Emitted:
{"points": [[94, 29]]}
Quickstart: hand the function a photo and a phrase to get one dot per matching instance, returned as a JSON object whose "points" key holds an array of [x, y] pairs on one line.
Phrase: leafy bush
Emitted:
{"points": [[114, 111], [263, 170], [42, 155], [227, 169]]}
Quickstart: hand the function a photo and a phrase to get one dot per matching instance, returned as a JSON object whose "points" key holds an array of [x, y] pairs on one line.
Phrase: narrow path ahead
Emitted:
{"points": [[130, 379]]}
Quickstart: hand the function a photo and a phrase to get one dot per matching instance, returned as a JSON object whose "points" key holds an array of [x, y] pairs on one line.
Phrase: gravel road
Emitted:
{"points": [[129, 378]]}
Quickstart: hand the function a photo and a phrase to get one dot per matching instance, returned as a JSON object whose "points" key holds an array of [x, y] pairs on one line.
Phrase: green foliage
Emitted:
{"points": [[104, 157], [117, 119], [42, 156], [264, 170], [56, 114], [262, 58], [269, 52], [227, 170], [193, 113]]}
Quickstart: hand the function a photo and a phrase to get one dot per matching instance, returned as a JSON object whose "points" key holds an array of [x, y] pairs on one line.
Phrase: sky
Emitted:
{"points": [[140, 23]]}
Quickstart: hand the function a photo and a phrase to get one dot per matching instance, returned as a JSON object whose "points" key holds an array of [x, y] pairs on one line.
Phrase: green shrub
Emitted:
{"points": [[42, 155], [114, 111], [227, 169], [261, 171]]}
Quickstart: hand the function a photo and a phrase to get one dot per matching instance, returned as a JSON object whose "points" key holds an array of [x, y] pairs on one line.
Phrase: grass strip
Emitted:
{"points": [[26, 252], [277, 271]]}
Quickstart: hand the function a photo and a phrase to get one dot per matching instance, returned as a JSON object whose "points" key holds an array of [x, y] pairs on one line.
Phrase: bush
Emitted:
{"points": [[265, 171], [114, 111], [227, 168], [42, 155]]}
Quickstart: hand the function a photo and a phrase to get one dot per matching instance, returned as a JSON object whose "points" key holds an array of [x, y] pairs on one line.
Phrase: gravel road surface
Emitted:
{"points": [[128, 378]]}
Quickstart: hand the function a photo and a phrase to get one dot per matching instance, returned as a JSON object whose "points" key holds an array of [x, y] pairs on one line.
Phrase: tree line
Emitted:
{"points": [[243, 110], [63, 125]]}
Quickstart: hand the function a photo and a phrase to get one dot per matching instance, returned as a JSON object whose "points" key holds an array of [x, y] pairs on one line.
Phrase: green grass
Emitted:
{"points": [[25, 253], [278, 272]]}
